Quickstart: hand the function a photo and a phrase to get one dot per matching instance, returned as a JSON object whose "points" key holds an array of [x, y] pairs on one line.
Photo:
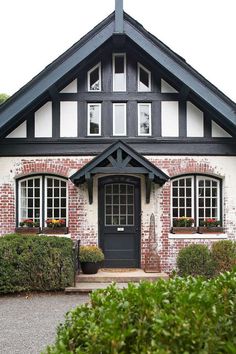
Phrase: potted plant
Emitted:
{"points": [[210, 225], [28, 226], [55, 226], [90, 258], [183, 225]]}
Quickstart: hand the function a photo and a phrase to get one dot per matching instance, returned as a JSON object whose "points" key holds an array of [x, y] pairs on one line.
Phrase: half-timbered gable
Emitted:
{"points": [[116, 132]]}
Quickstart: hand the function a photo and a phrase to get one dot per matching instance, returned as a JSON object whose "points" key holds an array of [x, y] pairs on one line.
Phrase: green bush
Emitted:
{"points": [[35, 263], [195, 260], [177, 316], [90, 254], [224, 255]]}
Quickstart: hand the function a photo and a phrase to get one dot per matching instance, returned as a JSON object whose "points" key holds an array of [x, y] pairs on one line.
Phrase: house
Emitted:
{"points": [[119, 137]]}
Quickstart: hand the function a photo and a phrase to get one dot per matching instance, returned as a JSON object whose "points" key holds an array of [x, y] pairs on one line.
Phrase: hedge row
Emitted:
{"points": [[181, 315], [39, 263], [198, 259]]}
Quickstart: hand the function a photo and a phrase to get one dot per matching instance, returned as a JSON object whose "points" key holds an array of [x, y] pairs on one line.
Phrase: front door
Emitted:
{"points": [[119, 221]]}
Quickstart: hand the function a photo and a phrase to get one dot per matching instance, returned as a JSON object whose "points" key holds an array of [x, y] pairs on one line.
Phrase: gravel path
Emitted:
{"points": [[28, 325]]}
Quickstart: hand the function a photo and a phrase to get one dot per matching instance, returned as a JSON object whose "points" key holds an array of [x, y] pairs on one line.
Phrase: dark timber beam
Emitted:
{"points": [[148, 179], [119, 17], [89, 180]]}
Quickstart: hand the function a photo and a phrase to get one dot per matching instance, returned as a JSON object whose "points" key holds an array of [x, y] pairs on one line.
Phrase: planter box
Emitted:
{"points": [[27, 230], [183, 230], [210, 230], [56, 231]]}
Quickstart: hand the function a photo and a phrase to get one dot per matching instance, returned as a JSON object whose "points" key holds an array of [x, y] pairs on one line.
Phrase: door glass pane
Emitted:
{"points": [[119, 204]]}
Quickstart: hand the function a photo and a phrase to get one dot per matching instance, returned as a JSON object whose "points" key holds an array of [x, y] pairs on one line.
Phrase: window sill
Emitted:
{"points": [[57, 235], [207, 236]]}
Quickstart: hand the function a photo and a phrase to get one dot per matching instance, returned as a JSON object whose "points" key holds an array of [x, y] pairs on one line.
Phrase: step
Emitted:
{"points": [[106, 276], [85, 288]]}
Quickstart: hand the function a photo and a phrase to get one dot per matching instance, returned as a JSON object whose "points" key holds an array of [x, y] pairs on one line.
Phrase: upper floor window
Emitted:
{"points": [[119, 72], [94, 78], [144, 119], [144, 78], [119, 119], [197, 197], [41, 198], [94, 118]]}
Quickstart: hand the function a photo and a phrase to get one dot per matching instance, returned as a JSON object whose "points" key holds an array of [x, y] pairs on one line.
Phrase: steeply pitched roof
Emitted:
{"points": [[28, 96]]}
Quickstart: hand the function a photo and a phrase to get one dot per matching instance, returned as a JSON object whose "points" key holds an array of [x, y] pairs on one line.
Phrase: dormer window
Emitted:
{"points": [[94, 78], [144, 79], [119, 72]]}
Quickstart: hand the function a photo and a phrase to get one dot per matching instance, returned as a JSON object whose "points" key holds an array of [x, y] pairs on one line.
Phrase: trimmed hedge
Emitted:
{"points": [[180, 315], [29, 263], [195, 260], [224, 255]]}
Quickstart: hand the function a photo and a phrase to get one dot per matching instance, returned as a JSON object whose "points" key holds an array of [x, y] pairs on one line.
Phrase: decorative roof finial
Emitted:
{"points": [[119, 17]]}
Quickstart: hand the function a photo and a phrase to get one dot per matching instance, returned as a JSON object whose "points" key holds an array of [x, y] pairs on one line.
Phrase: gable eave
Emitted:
{"points": [[180, 69]]}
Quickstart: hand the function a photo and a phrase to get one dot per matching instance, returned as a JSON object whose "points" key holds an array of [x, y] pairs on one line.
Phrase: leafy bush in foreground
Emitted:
{"points": [[35, 263], [187, 316]]}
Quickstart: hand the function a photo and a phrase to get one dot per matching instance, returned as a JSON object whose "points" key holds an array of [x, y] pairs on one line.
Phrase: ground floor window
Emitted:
{"points": [[41, 198], [197, 197]]}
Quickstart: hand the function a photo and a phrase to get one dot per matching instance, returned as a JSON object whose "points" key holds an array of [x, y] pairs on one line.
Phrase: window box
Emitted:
{"points": [[183, 230], [27, 230], [55, 231], [209, 230]]}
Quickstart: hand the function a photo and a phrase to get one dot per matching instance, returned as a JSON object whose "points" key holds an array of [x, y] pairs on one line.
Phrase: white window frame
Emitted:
{"points": [[88, 119], [40, 196], [192, 196], [45, 198], [202, 177], [113, 70], [99, 74], [125, 120], [140, 66], [150, 118]]}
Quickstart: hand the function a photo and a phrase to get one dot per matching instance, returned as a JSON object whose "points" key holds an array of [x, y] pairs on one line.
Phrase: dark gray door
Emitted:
{"points": [[119, 221]]}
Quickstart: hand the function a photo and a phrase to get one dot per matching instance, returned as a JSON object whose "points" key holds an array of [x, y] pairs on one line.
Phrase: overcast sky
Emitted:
{"points": [[34, 33]]}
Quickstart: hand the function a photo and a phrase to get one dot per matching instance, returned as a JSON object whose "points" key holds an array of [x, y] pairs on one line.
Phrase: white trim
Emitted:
{"points": [[88, 118], [113, 71], [140, 66], [150, 118], [125, 116], [198, 236], [99, 74], [202, 177], [45, 197], [192, 196]]}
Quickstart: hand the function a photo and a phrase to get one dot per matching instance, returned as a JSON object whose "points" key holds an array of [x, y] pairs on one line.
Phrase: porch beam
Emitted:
{"points": [[142, 170], [89, 180], [149, 179]]}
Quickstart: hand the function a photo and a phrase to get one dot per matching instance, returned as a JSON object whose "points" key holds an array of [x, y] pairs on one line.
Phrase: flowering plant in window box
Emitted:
{"points": [[55, 226], [28, 226], [210, 225], [184, 225]]}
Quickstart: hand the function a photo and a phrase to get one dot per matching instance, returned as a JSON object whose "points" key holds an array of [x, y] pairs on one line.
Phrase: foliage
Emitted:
{"points": [[3, 97], [183, 221], [35, 263], [195, 260], [29, 223], [210, 222], [54, 223], [180, 315], [90, 254], [224, 255]]}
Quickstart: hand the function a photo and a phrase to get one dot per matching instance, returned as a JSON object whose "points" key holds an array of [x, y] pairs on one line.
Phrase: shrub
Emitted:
{"points": [[180, 315], [90, 254], [195, 260], [35, 263], [224, 255]]}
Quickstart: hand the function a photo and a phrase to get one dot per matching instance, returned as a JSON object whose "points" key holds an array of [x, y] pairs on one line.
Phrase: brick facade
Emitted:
{"points": [[83, 216]]}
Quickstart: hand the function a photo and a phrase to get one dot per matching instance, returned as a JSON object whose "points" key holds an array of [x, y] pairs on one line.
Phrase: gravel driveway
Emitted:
{"points": [[28, 325]]}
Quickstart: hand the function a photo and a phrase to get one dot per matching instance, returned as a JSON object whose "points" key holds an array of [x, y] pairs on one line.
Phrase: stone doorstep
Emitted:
{"points": [[119, 277], [87, 283]]}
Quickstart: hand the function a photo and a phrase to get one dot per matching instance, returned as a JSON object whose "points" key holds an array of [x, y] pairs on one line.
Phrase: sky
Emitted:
{"points": [[34, 33]]}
